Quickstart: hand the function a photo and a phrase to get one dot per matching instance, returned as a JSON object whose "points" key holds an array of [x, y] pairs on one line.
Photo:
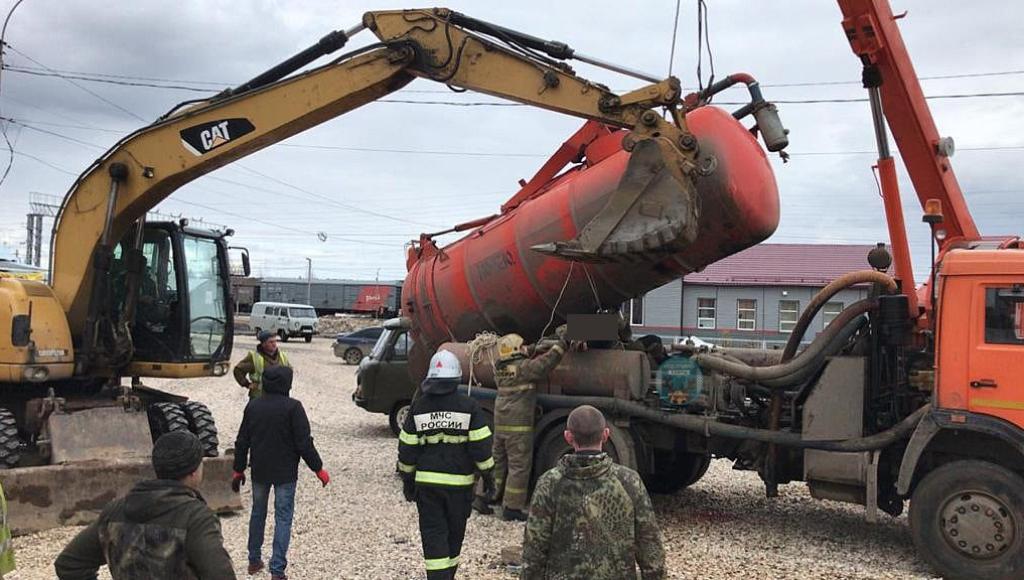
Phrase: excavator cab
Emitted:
{"points": [[182, 312]]}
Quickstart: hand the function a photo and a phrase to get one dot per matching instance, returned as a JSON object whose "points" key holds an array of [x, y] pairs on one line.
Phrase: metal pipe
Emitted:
{"points": [[881, 136], [708, 426], [616, 68]]}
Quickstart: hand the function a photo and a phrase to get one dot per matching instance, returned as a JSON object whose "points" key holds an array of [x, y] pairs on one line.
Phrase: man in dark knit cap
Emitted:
{"points": [[249, 371], [273, 436], [161, 530]]}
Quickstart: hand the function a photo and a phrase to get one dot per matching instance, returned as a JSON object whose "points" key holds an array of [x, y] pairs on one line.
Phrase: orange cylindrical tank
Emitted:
{"points": [[490, 280]]}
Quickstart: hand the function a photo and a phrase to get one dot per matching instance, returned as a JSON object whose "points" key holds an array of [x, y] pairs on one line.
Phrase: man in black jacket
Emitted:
{"points": [[275, 430], [445, 440], [161, 530]]}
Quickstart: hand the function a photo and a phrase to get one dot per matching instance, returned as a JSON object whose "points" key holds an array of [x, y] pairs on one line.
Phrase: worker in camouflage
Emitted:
{"points": [[591, 518], [161, 530], [249, 371], [516, 377]]}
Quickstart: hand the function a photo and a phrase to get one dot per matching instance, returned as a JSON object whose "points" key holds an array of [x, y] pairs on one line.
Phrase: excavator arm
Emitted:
{"points": [[437, 44]]}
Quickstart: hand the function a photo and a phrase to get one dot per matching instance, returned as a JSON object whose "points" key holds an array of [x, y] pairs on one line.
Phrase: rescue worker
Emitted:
{"points": [[516, 375], [6, 549], [161, 530], [249, 370], [590, 517], [444, 440]]}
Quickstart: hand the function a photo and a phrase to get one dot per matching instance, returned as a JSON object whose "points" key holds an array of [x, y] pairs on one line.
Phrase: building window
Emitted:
{"points": [[829, 313], [706, 313], [789, 312], [746, 314], [634, 310]]}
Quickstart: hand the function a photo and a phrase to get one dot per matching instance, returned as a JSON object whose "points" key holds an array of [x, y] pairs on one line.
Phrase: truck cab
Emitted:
{"points": [[383, 383]]}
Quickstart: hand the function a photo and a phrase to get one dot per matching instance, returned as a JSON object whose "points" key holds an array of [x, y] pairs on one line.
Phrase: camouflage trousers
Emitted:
{"points": [[513, 459]]}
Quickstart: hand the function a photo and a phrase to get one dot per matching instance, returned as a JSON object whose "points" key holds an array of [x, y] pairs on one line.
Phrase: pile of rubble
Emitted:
{"points": [[331, 325]]}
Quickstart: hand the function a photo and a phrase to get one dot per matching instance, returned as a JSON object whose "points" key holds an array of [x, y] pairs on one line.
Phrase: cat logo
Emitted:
{"points": [[203, 138]]}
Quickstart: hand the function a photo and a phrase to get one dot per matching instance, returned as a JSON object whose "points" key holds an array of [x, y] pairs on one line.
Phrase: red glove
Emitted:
{"points": [[324, 477], [237, 479]]}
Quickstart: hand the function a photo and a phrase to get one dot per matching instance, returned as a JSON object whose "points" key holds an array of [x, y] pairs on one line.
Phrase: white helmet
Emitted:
{"points": [[444, 365]]}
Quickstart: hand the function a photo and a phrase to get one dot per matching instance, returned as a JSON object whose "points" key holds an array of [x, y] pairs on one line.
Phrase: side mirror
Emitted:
{"points": [[244, 260]]}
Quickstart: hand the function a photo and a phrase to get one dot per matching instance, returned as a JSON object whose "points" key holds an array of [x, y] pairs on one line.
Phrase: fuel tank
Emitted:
{"points": [[491, 280]]}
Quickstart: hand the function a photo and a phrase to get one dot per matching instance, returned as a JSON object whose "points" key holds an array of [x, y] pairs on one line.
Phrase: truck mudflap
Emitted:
{"points": [[49, 496]]}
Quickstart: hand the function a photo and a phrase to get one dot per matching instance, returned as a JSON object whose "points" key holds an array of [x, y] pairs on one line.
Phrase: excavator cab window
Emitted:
{"points": [[180, 313]]}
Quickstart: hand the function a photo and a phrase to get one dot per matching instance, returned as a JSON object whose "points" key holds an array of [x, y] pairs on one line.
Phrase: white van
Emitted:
{"points": [[287, 320]]}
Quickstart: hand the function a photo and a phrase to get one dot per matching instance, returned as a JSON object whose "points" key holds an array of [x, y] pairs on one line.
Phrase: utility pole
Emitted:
{"points": [[309, 281]]}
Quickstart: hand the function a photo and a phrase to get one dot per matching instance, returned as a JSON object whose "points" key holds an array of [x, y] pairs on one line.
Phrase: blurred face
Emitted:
{"points": [[270, 345]]}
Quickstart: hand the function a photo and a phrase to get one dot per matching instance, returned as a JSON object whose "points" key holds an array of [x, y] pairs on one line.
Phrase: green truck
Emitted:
{"points": [[383, 384]]}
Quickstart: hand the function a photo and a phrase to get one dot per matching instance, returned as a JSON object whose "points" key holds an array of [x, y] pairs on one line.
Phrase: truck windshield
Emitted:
{"points": [[381, 344], [205, 295], [302, 313]]}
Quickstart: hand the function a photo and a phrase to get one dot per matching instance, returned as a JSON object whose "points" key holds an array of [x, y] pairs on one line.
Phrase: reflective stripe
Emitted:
{"points": [[408, 438], [406, 468], [443, 438], [514, 490], [486, 464], [438, 478], [480, 434], [513, 428], [434, 564]]}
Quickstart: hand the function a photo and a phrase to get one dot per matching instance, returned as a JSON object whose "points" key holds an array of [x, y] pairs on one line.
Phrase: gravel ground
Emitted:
{"points": [[359, 526]]}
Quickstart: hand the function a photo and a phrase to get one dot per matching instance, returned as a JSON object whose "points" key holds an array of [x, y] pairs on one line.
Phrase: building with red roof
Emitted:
{"points": [[752, 298]]}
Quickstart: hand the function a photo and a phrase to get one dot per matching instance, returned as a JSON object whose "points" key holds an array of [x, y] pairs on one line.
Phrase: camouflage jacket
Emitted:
{"points": [[161, 530], [591, 519]]}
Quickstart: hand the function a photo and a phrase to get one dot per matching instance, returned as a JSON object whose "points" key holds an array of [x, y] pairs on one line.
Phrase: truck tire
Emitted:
{"points": [[10, 443], [552, 446], [283, 334], [166, 418], [200, 422], [258, 329], [308, 338], [396, 418], [675, 471], [967, 521], [353, 356]]}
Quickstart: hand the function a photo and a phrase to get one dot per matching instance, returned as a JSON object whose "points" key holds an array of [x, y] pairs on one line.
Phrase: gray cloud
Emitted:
{"points": [[824, 198]]}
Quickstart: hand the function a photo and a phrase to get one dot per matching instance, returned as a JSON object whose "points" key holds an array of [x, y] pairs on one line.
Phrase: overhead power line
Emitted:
{"points": [[17, 69]]}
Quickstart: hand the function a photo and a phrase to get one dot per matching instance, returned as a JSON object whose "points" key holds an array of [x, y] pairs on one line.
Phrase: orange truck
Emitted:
{"points": [[914, 394]]}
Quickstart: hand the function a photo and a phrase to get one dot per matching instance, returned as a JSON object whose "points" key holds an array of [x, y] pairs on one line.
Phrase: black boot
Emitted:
{"points": [[513, 515], [481, 507]]}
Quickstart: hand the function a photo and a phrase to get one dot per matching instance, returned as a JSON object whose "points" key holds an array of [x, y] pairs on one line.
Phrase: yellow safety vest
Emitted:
{"points": [[6, 549], [258, 364]]}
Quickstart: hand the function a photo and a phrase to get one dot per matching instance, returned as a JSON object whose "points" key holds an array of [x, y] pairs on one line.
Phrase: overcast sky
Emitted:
{"points": [[465, 161]]}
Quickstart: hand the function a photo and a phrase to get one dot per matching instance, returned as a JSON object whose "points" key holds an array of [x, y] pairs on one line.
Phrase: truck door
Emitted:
{"points": [[995, 382]]}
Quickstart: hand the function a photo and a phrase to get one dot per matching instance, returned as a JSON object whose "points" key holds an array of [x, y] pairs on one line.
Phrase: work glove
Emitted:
{"points": [[489, 488], [409, 488], [237, 480], [324, 477]]}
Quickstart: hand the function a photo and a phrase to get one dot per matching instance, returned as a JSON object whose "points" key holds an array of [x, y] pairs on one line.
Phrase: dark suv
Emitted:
{"points": [[353, 346]]}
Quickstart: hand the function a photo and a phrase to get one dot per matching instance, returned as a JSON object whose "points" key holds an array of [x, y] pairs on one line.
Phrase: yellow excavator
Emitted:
{"points": [[127, 299]]}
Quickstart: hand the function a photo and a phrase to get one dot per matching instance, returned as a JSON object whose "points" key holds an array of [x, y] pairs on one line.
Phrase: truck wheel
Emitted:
{"points": [[10, 443], [353, 356], [283, 334], [166, 418], [620, 447], [258, 329], [200, 421], [308, 338], [675, 471], [967, 521], [396, 418]]}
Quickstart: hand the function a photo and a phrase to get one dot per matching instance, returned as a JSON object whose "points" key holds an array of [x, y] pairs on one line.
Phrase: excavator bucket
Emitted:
{"points": [[49, 496], [653, 211]]}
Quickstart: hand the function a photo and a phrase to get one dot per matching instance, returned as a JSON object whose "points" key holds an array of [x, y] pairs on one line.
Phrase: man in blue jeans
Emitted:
{"points": [[275, 431]]}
